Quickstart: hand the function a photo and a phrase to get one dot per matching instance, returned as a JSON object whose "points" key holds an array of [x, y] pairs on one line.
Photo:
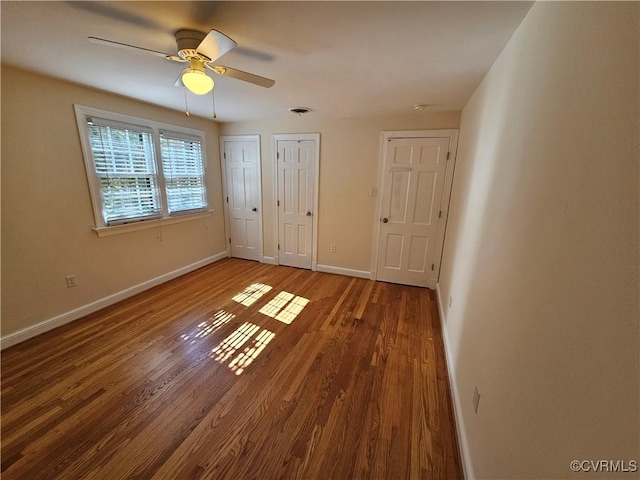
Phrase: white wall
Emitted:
{"points": [[47, 218], [541, 254]]}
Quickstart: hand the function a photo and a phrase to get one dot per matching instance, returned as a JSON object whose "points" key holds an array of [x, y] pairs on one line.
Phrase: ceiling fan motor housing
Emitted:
{"points": [[188, 42]]}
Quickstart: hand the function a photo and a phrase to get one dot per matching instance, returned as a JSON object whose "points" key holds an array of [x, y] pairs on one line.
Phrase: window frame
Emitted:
{"points": [[171, 135], [157, 129]]}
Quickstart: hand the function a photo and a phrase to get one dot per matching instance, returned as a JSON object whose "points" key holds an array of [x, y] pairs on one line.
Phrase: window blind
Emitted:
{"points": [[140, 169], [184, 173], [124, 160]]}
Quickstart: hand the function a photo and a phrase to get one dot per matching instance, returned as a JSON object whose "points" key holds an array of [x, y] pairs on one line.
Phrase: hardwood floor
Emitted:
{"points": [[238, 370]]}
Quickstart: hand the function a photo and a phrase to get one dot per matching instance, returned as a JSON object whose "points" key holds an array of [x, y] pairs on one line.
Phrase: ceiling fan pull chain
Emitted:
{"points": [[213, 102], [186, 105]]}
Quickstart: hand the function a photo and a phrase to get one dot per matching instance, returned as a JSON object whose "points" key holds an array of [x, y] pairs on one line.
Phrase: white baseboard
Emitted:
{"points": [[344, 271], [269, 260], [463, 445], [75, 314]]}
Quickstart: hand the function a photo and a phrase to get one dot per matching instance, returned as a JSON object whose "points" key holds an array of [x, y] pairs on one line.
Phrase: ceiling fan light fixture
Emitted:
{"points": [[196, 80]]}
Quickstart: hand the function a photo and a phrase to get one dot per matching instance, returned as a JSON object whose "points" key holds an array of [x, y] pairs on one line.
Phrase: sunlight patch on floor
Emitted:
{"points": [[285, 307], [250, 353], [247, 333], [251, 294], [203, 329]]}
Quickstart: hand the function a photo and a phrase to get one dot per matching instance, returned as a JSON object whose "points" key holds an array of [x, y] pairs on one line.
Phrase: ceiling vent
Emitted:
{"points": [[299, 110]]}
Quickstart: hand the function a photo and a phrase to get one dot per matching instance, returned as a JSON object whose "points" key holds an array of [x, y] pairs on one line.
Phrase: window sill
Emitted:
{"points": [[146, 224]]}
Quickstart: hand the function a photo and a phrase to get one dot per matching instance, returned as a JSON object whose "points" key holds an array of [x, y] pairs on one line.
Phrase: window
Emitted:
{"points": [[183, 173], [125, 165], [140, 170]]}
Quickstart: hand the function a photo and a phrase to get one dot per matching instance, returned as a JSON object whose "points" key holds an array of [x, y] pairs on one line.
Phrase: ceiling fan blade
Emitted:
{"points": [[244, 76], [215, 45], [117, 12], [111, 43]]}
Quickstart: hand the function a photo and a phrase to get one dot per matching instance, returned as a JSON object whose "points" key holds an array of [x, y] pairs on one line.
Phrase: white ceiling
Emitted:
{"points": [[342, 59]]}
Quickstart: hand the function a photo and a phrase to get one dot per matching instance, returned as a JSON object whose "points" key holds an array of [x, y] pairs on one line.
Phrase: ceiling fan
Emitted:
{"points": [[199, 50]]}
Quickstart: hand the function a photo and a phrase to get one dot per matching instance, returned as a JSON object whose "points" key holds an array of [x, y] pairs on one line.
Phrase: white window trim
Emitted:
{"points": [[103, 230], [145, 224]]}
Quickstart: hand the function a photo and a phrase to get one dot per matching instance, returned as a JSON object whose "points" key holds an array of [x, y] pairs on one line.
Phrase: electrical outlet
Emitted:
{"points": [[332, 248], [476, 399], [72, 281], [450, 301]]}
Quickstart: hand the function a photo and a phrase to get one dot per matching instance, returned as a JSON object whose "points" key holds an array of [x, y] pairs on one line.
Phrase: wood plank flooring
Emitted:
{"points": [[238, 370]]}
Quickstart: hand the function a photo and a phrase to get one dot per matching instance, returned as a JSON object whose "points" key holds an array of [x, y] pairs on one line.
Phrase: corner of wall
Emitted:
{"points": [[463, 444]]}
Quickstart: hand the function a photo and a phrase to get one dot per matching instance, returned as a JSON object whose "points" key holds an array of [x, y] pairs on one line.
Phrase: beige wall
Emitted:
{"points": [[541, 254], [349, 151], [46, 208], [47, 215]]}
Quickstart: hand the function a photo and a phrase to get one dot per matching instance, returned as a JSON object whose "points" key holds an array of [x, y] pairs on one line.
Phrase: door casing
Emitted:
{"points": [[446, 193], [315, 137], [225, 191]]}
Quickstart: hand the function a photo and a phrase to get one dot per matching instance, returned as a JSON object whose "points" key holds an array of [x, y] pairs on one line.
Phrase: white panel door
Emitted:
{"points": [[296, 181], [243, 197], [413, 181]]}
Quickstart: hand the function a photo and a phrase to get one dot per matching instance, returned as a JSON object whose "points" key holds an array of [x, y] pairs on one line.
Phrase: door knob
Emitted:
{"points": [[385, 220], [308, 214], [254, 209]]}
